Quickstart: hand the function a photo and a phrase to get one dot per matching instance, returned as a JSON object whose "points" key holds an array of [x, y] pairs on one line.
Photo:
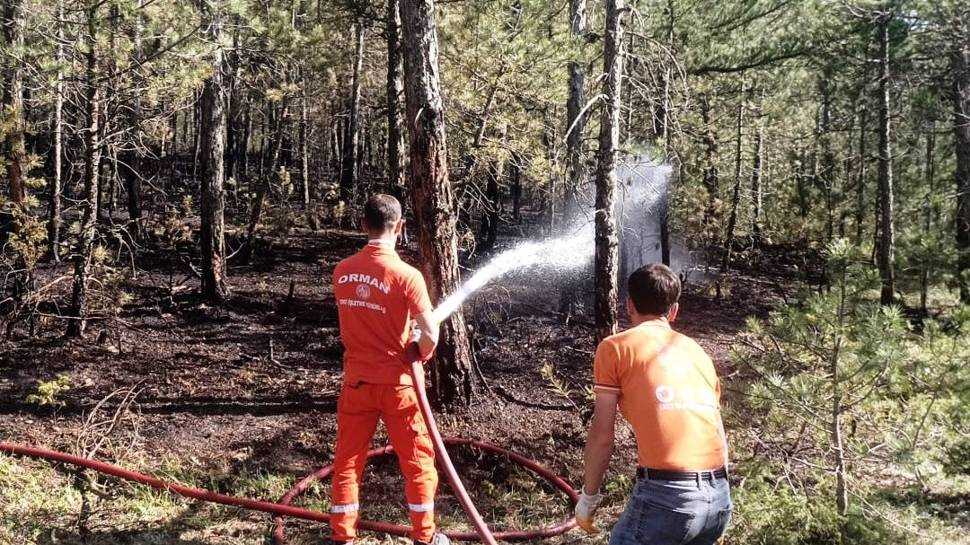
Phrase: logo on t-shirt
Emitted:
{"points": [[363, 291]]}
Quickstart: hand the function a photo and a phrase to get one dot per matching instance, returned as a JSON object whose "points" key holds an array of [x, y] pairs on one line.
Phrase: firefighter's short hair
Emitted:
{"points": [[381, 212], [654, 289]]}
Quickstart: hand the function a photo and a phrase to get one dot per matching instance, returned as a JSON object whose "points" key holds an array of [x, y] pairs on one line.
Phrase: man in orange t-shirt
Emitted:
{"points": [[383, 306], [666, 387]]}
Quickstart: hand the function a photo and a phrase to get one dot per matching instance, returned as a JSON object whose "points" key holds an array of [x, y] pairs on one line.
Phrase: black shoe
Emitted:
{"points": [[438, 539]]}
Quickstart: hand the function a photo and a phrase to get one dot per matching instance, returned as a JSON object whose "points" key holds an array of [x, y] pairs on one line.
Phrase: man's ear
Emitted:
{"points": [[673, 312], [399, 228], [631, 310]]}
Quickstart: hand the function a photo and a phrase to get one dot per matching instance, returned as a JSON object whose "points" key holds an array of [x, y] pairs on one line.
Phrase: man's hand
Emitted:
{"points": [[415, 334], [586, 510]]}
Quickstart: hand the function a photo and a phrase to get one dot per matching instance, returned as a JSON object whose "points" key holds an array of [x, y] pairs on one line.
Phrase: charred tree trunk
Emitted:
{"points": [[432, 196], [54, 204], [710, 158], [213, 153], [395, 87], [607, 243], [887, 243], [960, 62], [14, 151], [860, 210], [348, 168], [303, 144], [575, 117], [756, 190], [493, 209], [515, 185], [271, 158], [736, 195], [92, 165]]}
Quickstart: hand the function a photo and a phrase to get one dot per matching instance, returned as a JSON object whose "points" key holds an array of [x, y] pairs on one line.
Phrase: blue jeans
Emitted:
{"points": [[674, 513]]}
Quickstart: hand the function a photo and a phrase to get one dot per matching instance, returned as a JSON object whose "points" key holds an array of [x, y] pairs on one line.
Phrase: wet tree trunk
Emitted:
{"points": [[606, 260], [14, 152], [960, 62], [887, 243], [92, 166], [432, 196], [213, 153], [736, 195], [348, 168], [395, 87], [54, 204]]}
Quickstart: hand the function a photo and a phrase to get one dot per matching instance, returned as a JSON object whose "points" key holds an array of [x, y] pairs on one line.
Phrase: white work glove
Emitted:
{"points": [[586, 509]]}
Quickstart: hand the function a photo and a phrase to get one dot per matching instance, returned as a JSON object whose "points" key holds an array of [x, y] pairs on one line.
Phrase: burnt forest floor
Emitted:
{"points": [[241, 398]]}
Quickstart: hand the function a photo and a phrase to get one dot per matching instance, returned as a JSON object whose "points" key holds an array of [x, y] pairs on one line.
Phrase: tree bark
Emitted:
{"points": [[756, 190], [57, 151], [861, 175], [710, 157], [213, 153], [960, 62], [92, 166], [432, 197], [887, 244], [736, 196], [395, 86], [575, 117], [348, 169], [14, 151], [607, 243]]}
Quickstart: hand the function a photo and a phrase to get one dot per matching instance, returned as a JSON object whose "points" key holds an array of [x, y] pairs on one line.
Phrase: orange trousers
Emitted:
{"points": [[358, 410]]}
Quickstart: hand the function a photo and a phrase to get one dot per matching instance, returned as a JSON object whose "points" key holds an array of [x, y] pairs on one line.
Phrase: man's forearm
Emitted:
{"points": [[597, 460]]}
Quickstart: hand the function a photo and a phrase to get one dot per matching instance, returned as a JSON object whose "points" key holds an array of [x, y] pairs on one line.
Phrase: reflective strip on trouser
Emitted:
{"points": [[358, 411]]}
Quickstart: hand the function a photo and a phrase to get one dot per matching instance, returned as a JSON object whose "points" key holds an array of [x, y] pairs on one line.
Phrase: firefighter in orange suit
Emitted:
{"points": [[383, 306]]}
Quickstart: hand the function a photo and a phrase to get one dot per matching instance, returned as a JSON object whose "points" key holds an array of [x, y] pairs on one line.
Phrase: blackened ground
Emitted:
{"points": [[250, 387]]}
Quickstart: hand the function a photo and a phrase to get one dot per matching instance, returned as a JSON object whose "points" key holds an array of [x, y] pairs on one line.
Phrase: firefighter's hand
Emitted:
{"points": [[415, 334], [586, 509]]}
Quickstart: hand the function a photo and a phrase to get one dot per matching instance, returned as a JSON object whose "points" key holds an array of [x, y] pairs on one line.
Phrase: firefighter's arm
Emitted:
{"points": [[425, 333], [599, 448]]}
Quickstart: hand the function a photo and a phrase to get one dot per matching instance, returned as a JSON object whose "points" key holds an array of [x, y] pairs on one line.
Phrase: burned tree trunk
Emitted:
{"points": [[710, 157], [736, 195], [395, 86], [14, 152], [432, 196], [348, 165], [960, 62], [607, 258], [756, 190], [575, 117], [887, 243], [92, 166], [213, 152], [57, 151]]}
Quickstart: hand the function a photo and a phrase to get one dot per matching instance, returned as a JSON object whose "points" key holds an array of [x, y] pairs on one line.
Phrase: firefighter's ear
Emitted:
{"points": [[399, 228], [673, 312]]}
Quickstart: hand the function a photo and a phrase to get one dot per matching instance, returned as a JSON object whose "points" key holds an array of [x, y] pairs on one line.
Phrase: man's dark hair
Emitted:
{"points": [[654, 289], [381, 212]]}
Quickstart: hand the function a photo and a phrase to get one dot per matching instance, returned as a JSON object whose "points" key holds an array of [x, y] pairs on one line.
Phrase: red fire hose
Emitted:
{"points": [[284, 509]]}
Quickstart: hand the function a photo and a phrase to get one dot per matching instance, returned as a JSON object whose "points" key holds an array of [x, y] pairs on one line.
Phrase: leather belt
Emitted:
{"points": [[668, 475]]}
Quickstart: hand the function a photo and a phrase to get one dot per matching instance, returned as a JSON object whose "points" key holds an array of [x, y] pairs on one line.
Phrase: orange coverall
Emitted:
{"points": [[377, 295]]}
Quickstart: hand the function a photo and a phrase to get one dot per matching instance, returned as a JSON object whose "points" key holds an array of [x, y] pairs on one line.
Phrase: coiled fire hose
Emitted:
{"points": [[284, 509]]}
